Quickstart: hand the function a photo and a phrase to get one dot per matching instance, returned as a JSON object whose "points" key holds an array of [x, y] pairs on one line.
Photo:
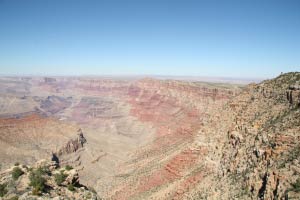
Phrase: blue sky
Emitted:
{"points": [[241, 38]]}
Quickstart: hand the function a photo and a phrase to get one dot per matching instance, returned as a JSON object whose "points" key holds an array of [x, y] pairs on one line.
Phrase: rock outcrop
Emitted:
{"points": [[73, 145], [259, 144], [43, 181]]}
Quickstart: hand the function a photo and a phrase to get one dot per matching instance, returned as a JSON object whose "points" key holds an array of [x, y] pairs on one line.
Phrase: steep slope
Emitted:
{"points": [[263, 151], [32, 137], [170, 165], [259, 140], [246, 147]]}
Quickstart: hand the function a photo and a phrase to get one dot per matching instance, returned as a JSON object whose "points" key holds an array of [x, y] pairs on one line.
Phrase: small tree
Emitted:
{"points": [[296, 185], [3, 189], [37, 181], [43, 170], [71, 187], [60, 178], [16, 173], [68, 167]]}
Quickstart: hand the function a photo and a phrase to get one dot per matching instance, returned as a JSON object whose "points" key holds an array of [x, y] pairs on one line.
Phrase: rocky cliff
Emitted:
{"points": [[261, 153], [256, 150]]}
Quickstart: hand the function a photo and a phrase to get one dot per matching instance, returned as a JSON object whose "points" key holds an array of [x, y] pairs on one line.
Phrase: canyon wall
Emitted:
{"points": [[159, 139]]}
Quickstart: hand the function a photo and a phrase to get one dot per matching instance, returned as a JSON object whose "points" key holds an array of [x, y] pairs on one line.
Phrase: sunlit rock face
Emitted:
{"points": [[157, 139]]}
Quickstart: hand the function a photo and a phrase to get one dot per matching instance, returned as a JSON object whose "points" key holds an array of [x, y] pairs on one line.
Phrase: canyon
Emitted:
{"points": [[131, 138]]}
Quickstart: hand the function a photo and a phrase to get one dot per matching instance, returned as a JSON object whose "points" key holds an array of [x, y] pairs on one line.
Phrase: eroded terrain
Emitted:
{"points": [[157, 139]]}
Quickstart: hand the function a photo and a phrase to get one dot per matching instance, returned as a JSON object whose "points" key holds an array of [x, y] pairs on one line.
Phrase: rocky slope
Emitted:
{"points": [[32, 137], [256, 144], [44, 180], [245, 148], [260, 157], [159, 139], [169, 164]]}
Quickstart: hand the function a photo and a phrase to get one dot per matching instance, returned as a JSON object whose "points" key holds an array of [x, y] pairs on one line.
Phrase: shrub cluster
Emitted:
{"points": [[16, 173], [3, 190], [71, 187], [60, 178], [37, 181], [296, 185], [68, 167]]}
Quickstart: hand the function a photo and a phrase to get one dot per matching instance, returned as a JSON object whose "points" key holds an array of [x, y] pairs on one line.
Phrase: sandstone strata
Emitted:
{"points": [[160, 139]]}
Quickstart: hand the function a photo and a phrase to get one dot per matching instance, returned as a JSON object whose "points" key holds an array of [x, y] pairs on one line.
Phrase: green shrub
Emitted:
{"points": [[3, 189], [68, 167], [60, 178], [296, 185], [16, 173], [17, 164], [43, 171], [71, 187], [37, 181]]}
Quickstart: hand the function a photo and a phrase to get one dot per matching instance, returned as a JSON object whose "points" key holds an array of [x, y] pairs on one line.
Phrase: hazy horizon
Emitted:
{"points": [[204, 79]]}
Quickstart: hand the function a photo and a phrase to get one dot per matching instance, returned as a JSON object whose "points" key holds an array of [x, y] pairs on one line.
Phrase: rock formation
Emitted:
{"points": [[73, 144], [43, 181], [160, 139], [259, 157]]}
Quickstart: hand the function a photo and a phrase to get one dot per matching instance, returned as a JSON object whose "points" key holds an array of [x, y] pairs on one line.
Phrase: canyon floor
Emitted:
{"points": [[131, 138]]}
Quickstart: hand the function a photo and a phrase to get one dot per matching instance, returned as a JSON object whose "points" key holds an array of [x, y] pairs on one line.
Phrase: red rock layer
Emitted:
{"points": [[173, 109]]}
